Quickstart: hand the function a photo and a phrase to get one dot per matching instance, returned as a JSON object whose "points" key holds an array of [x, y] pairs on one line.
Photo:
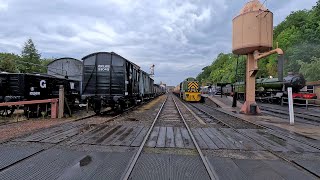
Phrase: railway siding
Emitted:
{"points": [[95, 151]]}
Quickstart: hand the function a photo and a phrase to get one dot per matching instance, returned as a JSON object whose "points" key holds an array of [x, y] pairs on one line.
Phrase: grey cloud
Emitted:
{"points": [[180, 37]]}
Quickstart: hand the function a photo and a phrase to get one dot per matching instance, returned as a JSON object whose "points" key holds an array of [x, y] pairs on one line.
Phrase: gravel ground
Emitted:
{"points": [[143, 115], [191, 120], [210, 103], [230, 120], [20, 128], [211, 122]]}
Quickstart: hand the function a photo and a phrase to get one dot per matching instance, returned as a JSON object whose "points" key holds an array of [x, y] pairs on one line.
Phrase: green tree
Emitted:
{"points": [[8, 62], [295, 19], [298, 36], [30, 58], [44, 64], [311, 70], [223, 69]]}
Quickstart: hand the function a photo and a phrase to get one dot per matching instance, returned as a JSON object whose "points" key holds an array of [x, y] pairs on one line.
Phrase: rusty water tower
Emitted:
{"points": [[252, 35]]}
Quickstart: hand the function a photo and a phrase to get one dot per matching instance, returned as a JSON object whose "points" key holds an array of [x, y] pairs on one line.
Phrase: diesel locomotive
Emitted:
{"points": [[189, 90]]}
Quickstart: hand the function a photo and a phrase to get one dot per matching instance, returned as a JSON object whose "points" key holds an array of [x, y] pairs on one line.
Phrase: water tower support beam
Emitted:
{"points": [[252, 69], [250, 85], [257, 55]]}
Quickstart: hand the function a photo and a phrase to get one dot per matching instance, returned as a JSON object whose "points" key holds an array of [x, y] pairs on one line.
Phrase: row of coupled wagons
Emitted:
{"points": [[100, 80]]}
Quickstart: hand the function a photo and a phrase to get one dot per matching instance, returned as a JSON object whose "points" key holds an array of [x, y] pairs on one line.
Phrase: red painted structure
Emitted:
{"points": [[304, 95], [54, 105]]}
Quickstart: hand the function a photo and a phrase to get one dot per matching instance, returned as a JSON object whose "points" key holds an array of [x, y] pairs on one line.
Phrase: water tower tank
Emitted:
{"points": [[252, 29]]}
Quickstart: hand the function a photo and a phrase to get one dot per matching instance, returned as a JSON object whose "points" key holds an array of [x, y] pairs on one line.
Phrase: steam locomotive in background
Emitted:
{"points": [[271, 89]]}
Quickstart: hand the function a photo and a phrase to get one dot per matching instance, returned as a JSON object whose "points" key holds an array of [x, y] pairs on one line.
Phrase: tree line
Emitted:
{"points": [[298, 35], [29, 61]]}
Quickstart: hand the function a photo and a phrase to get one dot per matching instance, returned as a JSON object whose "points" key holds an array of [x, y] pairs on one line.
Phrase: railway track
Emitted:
{"points": [[235, 124], [170, 114], [303, 117], [163, 140], [297, 137], [71, 128], [63, 133]]}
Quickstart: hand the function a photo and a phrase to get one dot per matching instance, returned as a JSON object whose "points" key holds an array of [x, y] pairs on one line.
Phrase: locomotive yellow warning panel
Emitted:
{"points": [[190, 90]]}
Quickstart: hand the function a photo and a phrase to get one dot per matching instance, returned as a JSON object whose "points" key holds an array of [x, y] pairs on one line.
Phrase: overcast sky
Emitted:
{"points": [[179, 36]]}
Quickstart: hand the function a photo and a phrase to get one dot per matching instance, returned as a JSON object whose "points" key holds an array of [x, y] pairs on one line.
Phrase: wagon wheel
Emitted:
{"points": [[6, 111]]}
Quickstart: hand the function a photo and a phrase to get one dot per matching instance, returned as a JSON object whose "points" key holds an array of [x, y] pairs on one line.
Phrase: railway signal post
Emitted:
{"points": [[253, 36]]}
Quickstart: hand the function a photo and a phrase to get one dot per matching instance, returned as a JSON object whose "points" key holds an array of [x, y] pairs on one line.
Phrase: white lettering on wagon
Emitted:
{"points": [[34, 93], [103, 67], [43, 84]]}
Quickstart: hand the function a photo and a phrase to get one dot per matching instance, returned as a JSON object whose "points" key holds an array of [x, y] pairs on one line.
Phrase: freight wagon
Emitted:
{"points": [[110, 80], [26, 87]]}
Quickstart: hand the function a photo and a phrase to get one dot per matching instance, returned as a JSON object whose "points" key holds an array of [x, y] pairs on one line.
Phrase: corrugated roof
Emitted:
{"points": [[69, 58]]}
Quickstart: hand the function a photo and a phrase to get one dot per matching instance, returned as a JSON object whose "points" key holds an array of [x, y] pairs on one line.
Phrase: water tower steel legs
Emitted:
{"points": [[251, 72]]}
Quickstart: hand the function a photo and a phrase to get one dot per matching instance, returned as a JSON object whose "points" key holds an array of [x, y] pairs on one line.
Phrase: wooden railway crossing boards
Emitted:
{"points": [[222, 142], [168, 137]]}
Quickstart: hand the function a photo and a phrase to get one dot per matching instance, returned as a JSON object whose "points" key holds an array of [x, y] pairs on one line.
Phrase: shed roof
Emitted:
{"points": [[69, 58]]}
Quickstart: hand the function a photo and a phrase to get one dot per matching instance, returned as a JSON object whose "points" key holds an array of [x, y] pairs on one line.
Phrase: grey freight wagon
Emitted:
{"points": [[68, 68], [109, 80]]}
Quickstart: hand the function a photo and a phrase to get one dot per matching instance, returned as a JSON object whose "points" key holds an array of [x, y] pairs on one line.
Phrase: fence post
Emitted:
{"points": [[290, 103], [61, 101], [54, 109], [307, 103]]}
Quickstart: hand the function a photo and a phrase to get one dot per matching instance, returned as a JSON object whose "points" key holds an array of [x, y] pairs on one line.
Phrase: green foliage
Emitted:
{"points": [[44, 63], [28, 62], [298, 35], [223, 69], [30, 58], [311, 70], [202, 77], [7, 62]]}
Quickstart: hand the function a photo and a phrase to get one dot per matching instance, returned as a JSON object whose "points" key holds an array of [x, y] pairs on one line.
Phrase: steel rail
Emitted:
{"points": [[260, 144], [211, 172], [68, 138], [136, 156], [300, 117], [265, 127]]}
